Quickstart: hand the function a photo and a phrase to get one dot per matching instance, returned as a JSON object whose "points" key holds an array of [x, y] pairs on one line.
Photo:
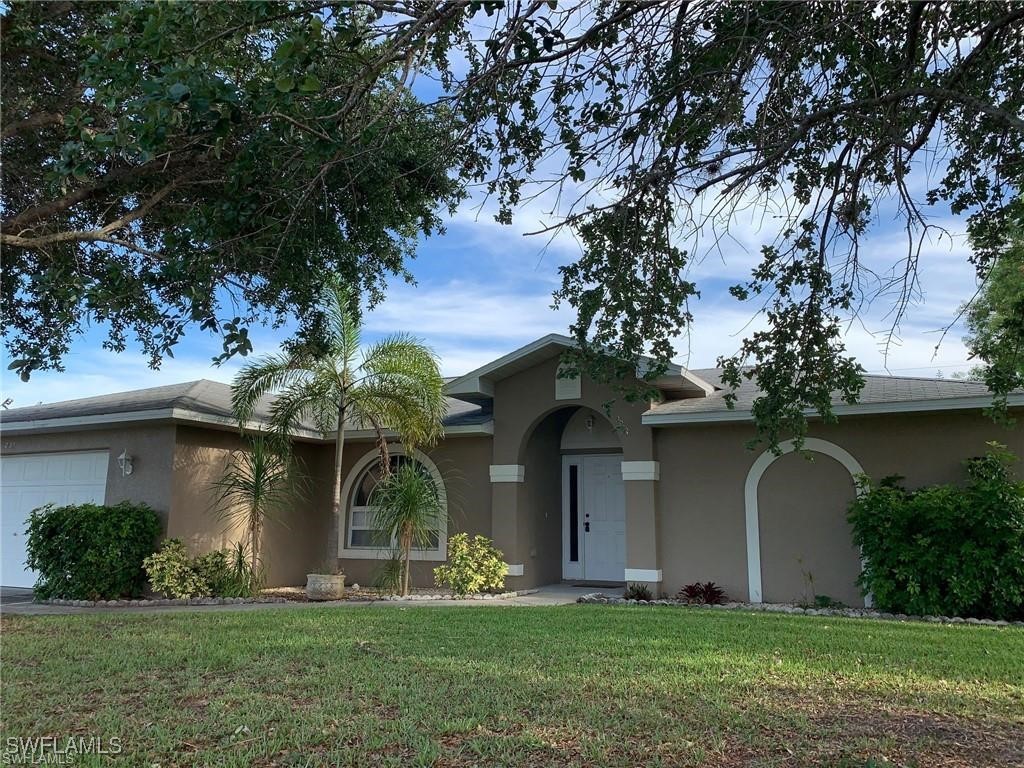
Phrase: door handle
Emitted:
{"points": [[586, 527]]}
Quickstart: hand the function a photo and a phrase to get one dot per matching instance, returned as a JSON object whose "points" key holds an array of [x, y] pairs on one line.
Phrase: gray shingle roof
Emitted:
{"points": [[877, 389], [211, 398]]}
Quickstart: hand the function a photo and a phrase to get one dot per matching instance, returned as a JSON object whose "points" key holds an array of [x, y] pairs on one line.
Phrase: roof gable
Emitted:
{"points": [[478, 385]]}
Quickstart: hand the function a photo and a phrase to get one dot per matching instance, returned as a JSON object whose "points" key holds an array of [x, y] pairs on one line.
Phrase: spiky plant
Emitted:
{"points": [[393, 384], [258, 483], [407, 506]]}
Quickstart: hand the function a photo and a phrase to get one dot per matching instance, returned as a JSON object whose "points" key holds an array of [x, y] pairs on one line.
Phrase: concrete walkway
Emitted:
{"points": [[19, 604]]}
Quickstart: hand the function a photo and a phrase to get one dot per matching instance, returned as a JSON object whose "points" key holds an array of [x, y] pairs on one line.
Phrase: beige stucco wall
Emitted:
{"points": [[294, 543], [528, 423], [806, 542], [522, 400], [701, 494], [150, 446]]}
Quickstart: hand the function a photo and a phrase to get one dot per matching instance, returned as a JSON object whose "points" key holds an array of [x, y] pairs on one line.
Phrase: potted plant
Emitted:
{"points": [[325, 586]]}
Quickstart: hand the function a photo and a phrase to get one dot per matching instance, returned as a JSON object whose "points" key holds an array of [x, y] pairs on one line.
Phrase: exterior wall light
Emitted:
{"points": [[124, 461]]}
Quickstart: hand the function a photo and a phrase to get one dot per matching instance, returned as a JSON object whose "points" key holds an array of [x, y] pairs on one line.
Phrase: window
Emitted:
{"points": [[360, 533]]}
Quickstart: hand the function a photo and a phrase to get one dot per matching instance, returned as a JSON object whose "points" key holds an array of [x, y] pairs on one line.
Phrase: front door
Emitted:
{"points": [[595, 518]]}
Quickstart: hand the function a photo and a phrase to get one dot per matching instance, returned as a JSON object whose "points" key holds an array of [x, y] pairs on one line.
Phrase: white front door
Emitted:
{"points": [[28, 482], [594, 524]]}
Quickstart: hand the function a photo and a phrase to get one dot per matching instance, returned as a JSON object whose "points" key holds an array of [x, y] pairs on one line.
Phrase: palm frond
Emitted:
{"points": [[256, 486], [261, 377], [343, 323], [401, 388], [314, 398]]}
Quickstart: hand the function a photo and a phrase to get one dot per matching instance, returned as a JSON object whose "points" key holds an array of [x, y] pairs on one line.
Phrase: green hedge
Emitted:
{"points": [[90, 551], [945, 550]]}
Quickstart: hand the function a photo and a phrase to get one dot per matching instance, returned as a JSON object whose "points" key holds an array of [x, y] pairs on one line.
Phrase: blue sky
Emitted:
{"points": [[484, 289]]}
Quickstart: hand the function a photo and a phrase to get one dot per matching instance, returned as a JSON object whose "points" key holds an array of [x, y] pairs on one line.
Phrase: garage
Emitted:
{"points": [[31, 481]]}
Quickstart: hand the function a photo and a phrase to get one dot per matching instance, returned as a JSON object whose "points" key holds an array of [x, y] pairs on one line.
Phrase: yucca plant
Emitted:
{"points": [[388, 577], [257, 485], [393, 384], [638, 592], [407, 506]]}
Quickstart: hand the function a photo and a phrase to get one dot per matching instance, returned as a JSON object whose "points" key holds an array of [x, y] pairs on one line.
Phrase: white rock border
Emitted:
{"points": [[157, 602], [422, 598], [162, 601], [852, 613]]}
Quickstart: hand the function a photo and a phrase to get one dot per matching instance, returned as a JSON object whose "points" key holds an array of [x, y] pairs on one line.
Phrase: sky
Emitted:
{"points": [[484, 289]]}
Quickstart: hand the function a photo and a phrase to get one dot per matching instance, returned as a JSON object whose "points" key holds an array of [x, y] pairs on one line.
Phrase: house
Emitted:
{"points": [[663, 493]]}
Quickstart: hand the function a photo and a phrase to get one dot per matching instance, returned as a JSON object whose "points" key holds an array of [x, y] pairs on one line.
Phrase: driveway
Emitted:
{"points": [[554, 594]]}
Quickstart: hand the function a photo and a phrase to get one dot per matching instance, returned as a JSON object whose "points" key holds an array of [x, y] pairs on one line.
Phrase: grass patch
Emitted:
{"points": [[517, 686]]}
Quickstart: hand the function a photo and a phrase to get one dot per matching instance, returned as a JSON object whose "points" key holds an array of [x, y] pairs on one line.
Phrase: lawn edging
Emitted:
{"points": [[161, 601], [443, 596], [787, 608]]}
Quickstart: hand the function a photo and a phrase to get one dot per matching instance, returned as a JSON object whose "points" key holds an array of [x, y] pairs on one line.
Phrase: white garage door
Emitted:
{"points": [[27, 482]]}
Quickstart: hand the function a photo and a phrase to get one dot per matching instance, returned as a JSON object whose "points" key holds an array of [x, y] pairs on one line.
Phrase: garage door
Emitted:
{"points": [[27, 482]]}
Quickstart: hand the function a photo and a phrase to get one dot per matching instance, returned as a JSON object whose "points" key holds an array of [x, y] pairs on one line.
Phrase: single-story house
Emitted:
{"points": [[665, 493]]}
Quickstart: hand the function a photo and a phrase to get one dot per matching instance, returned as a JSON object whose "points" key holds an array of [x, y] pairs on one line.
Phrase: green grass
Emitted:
{"points": [[572, 685]]}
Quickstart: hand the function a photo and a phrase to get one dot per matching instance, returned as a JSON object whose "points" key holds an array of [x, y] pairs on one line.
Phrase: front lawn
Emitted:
{"points": [[517, 686]]}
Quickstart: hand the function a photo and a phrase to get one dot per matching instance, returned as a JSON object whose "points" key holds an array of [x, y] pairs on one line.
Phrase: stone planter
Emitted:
{"points": [[325, 586]]}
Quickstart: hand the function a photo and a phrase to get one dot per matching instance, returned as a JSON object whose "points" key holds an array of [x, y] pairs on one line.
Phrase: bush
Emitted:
{"points": [[945, 550], [388, 576], [90, 551], [221, 573], [172, 572], [473, 566], [638, 592], [702, 593]]}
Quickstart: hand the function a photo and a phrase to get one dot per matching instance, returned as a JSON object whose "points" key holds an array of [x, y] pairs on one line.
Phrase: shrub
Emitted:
{"points": [[220, 573], [702, 593], [474, 565], [945, 550], [229, 572], [388, 577], [824, 601], [638, 592], [91, 551], [173, 572]]}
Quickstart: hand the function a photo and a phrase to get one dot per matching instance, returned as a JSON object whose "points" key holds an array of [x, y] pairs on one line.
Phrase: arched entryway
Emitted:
{"points": [[574, 507], [798, 550]]}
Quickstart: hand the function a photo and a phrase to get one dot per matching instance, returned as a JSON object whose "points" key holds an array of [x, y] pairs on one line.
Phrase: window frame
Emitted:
{"points": [[345, 548]]}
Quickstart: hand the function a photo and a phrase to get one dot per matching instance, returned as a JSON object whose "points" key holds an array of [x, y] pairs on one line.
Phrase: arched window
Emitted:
{"points": [[361, 539]]}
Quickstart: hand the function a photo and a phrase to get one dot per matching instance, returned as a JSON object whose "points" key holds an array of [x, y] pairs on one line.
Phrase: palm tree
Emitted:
{"points": [[393, 384], [407, 506], [257, 483]]}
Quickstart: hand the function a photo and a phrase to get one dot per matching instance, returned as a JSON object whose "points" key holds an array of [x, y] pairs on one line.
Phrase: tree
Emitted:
{"points": [[408, 507], [652, 122], [649, 123], [995, 326], [256, 485], [393, 384], [165, 164]]}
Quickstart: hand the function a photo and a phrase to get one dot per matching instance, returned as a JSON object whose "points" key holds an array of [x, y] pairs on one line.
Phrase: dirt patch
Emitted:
{"points": [[936, 740]]}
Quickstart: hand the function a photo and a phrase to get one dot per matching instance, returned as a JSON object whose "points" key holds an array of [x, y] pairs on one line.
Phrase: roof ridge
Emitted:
{"points": [[944, 380]]}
